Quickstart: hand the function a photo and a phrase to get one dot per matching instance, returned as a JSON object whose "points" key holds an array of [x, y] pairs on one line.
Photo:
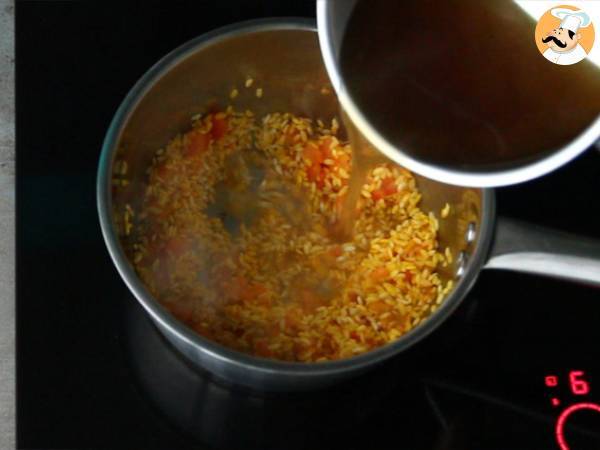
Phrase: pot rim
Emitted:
{"points": [[164, 319]]}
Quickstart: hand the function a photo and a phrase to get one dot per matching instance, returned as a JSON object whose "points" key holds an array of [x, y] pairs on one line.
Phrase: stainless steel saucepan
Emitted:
{"points": [[283, 56]]}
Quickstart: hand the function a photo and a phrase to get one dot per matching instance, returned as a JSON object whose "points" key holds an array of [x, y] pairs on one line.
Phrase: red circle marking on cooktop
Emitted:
{"points": [[560, 424]]}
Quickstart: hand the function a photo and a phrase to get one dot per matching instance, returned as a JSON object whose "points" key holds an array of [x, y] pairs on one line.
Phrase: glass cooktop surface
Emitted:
{"points": [[518, 360]]}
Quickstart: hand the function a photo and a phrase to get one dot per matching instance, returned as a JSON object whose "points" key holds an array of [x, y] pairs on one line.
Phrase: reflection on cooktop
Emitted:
{"points": [[409, 402], [226, 416]]}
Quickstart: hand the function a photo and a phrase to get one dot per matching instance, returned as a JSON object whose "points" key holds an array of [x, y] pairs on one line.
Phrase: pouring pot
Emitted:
{"points": [[470, 114], [283, 56]]}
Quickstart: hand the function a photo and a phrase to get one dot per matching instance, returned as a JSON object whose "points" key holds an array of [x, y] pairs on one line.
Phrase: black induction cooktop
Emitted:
{"points": [[93, 372]]}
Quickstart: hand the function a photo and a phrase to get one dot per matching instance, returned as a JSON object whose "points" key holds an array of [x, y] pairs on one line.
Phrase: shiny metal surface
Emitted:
{"points": [[283, 56], [332, 19], [529, 248]]}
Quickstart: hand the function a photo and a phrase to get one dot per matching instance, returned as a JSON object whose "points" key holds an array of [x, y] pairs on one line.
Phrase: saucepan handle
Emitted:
{"points": [[524, 247]]}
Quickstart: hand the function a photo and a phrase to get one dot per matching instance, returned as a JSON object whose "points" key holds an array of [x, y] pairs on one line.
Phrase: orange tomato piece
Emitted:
{"points": [[379, 274], [290, 136], [313, 154], [255, 293], [377, 195], [325, 148], [258, 289], [388, 186], [309, 300], [261, 348], [321, 178], [412, 249], [394, 320], [378, 307], [353, 297], [197, 143], [163, 172], [354, 335], [219, 127], [336, 251], [176, 246], [328, 346], [313, 172]]}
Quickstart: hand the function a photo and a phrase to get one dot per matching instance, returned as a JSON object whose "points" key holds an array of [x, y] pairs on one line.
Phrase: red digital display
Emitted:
{"points": [[577, 385]]}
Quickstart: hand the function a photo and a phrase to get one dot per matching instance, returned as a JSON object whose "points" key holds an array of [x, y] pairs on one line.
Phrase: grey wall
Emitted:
{"points": [[7, 223]]}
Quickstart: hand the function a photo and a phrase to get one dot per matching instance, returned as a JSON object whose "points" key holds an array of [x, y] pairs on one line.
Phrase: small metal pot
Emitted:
{"points": [[283, 56]]}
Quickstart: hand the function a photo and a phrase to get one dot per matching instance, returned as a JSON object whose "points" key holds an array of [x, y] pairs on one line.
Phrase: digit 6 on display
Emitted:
{"points": [[578, 385]]}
